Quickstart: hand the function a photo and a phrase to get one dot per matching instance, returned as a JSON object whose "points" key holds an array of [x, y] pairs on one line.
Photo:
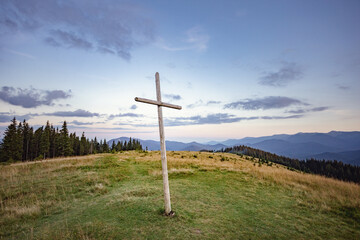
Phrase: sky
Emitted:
{"points": [[237, 68]]}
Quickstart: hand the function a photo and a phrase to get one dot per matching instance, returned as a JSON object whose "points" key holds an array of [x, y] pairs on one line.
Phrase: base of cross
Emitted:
{"points": [[170, 214]]}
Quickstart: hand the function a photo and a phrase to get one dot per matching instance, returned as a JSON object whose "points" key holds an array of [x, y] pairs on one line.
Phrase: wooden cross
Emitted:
{"points": [[161, 104]]}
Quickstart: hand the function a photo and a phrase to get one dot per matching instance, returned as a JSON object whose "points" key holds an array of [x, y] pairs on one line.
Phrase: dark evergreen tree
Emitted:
{"points": [[55, 142], [45, 141], [96, 146], [31, 141], [83, 143], [64, 141], [105, 147], [119, 146], [75, 144], [91, 147], [20, 139], [101, 149], [35, 147], [11, 147], [113, 147], [26, 134]]}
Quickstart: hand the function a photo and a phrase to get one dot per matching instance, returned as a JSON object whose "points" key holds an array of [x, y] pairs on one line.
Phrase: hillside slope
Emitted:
{"points": [[328, 146], [349, 157], [220, 195]]}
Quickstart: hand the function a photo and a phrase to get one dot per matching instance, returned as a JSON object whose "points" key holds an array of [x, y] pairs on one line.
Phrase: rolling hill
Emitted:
{"points": [[214, 196], [335, 145]]}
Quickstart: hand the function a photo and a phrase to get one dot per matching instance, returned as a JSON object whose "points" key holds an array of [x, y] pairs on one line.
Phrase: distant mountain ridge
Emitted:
{"points": [[173, 145], [335, 145]]}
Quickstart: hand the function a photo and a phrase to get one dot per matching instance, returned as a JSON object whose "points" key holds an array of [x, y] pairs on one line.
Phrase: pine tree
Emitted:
{"points": [[96, 146], [64, 141], [52, 141], [11, 147], [26, 140], [113, 147], [105, 147], [45, 141], [75, 143], [101, 150], [30, 155], [83, 144], [19, 141], [91, 150], [36, 143]]}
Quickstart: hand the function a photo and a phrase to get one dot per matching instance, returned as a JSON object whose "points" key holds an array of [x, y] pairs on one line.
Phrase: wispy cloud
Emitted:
{"points": [[7, 116], [289, 72], [133, 107], [342, 87], [213, 102], [195, 39], [281, 117], [109, 26], [131, 115], [31, 98], [22, 54], [60, 38], [316, 109], [196, 104], [220, 118], [216, 118], [271, 102], [76, 113], [91, 129], [200, 103], [172, 97], [75, 122]]}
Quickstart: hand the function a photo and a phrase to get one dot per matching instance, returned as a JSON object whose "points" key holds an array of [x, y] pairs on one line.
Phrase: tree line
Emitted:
{"points": [[22, 143], [334, 169]]}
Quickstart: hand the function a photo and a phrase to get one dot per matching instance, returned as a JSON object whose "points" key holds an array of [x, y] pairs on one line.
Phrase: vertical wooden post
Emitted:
{"points": [[163, 149], [161, 104]]}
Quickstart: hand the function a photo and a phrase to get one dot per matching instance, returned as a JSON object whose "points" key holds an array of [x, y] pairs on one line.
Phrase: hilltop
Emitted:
{"points": [[214, 195], [334, 145]]}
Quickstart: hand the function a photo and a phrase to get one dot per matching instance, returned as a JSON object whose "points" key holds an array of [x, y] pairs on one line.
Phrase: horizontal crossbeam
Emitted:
{"points": [[144, 100]]}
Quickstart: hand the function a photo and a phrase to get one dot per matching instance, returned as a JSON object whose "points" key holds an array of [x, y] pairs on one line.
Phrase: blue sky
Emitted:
{"points": [[238, 68]]}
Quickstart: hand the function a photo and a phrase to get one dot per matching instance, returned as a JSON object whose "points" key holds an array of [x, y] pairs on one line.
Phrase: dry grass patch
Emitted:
{"points": [[29, 188], [316, 189]]}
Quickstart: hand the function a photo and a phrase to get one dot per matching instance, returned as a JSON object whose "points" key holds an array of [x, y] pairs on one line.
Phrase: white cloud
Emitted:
{"points": [[197, 38]]}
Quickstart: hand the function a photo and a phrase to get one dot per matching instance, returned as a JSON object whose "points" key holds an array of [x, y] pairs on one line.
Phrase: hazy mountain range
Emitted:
{"points": [[341, 146]]}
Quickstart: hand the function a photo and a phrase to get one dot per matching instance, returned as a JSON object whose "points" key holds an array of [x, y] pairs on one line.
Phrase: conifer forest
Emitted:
{"points": [[22, 142]]}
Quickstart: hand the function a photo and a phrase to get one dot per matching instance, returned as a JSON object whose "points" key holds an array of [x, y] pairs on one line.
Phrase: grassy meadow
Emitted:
{"points": [[214, 195]]}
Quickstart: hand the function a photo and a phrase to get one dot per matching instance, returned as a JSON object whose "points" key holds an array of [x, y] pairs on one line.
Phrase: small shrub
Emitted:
{"points": [[40, 157], [195, 156], [211, 157], [224, 158]]}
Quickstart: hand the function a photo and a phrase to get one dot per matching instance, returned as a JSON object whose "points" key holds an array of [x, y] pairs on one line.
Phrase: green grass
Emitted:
{"points": [[120, 197]]}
